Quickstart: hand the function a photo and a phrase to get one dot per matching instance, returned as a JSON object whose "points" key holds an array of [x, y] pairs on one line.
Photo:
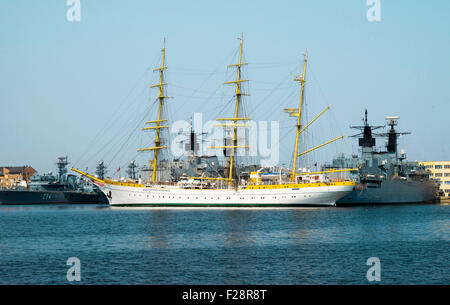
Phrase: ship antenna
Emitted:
{"points": [[158, 127]]}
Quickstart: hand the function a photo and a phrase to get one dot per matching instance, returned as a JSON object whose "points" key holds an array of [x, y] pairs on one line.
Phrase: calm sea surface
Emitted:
{"points": [[241, 246]]}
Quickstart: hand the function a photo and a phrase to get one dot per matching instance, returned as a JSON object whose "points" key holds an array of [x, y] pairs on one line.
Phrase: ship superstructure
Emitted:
{"points": [[226, 189], [385, 177]]}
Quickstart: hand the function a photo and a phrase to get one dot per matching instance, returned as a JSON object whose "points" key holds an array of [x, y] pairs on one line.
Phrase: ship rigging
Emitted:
{"points": [[300, 189]]}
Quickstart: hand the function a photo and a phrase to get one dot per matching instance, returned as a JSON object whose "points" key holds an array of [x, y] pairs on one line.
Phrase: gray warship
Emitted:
{"points": [[51, 189], [385, 176]]}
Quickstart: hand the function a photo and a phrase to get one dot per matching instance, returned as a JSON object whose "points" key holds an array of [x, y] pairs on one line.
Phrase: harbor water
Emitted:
{"points": [[220, 246]]}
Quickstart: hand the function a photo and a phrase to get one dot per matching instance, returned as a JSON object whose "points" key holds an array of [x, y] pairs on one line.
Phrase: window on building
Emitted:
{"points": [[438, 166], [438, 174], [447, 166]]}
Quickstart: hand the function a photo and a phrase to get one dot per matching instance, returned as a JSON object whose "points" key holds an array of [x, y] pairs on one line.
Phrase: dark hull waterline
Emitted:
{"points": [[23, 197]]}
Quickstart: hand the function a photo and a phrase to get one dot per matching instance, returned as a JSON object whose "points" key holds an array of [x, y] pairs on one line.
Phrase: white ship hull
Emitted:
{"points": [[320, 194]]}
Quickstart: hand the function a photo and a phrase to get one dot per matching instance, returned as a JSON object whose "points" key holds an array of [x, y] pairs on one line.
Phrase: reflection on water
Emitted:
{"points": [[157, 229], [235, 228]]}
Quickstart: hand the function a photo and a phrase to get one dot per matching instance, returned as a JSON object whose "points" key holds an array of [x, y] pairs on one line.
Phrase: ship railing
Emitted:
{"points": [[165, 183], [307, 181]]}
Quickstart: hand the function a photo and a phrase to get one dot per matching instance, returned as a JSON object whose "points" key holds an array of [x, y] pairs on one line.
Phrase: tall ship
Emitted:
{"points": [[385, 176], [229, 189], [50, 189]]}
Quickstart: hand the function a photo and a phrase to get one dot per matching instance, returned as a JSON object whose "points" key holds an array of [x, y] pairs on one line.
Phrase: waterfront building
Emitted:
{"points": [[14, 176], [440, 171]]}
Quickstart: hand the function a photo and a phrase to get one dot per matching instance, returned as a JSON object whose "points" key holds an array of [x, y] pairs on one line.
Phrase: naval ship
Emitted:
{"points": [[51, 189], [384, 176], [224, 188]]}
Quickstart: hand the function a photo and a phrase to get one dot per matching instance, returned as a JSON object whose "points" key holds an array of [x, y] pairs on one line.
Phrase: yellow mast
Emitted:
{"points": [[297, 113], [236, 117], [302, 81], [161, 98]]}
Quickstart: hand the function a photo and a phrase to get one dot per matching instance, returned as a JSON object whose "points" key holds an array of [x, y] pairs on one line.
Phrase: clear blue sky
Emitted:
{"points": [[69, 87]]}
